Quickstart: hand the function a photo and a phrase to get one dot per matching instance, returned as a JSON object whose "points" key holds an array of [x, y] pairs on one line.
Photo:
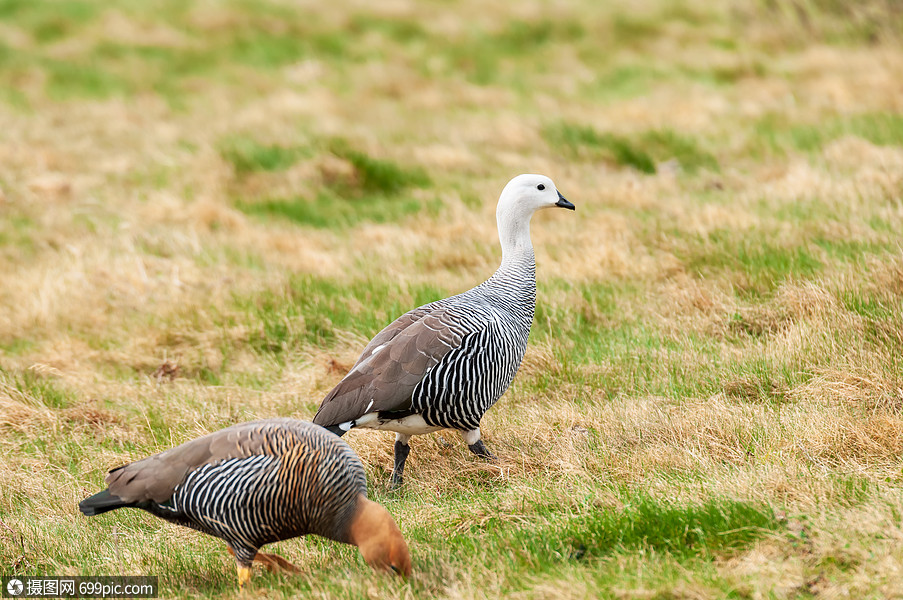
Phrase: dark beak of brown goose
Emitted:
{"points": [[563, 203]]}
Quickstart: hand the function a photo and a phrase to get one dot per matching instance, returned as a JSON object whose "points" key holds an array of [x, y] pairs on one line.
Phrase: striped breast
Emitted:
{"points": [[495, 320], [302, 480]]}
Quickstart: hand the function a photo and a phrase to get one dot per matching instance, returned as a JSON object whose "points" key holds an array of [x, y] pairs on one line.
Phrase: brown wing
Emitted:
{"points": [[156, 477], [391, 366], [393, 329]]}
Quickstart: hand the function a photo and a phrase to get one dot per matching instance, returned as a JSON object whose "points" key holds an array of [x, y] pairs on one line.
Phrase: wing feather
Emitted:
{"points": [[394, 362], [156, 477]]}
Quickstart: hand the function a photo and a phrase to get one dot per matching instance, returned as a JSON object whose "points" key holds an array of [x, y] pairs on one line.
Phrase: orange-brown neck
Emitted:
{"points": [[374, 532]]}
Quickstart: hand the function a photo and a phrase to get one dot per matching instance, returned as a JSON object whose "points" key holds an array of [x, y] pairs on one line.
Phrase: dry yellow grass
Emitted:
{"points": [[714, 333]]}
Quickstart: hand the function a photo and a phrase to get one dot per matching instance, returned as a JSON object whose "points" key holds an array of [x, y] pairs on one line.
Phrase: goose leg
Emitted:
{"points": [[402, 448], [476, 445], [243, 559], [244, 575]]}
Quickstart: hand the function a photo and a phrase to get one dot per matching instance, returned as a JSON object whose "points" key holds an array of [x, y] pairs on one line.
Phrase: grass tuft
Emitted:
{"points": [[881, 128], [372, 175], [248, 156], [313, 311], [717, 527], [48, 22], [756, 267], [361, 189], [39, 389], [641, 152]]}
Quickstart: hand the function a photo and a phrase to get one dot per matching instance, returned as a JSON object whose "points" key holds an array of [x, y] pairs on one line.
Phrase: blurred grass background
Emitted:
{"points": [[207, 208]]}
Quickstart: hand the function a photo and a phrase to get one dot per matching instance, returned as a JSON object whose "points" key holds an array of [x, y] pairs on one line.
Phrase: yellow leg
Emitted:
{"points": [[244, 576]]}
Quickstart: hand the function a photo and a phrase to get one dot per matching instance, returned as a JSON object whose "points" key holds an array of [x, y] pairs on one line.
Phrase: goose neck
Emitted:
{"points": [[514, 235]]}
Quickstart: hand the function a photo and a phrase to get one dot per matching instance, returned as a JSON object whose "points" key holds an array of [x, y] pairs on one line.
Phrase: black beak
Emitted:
{"points": [[563, 203]]}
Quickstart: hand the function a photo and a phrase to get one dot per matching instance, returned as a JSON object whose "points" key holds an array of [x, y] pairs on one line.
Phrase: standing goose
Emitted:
{"points": [[444, 364], [261, 482]]}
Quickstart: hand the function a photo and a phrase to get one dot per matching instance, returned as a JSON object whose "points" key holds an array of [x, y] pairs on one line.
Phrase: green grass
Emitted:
{"points": [[483, 57], [49, 21], [373, 175], [40, 390], [86, 80], [310, 310], [103, 68], [880, 128], [16, 233], [625, 81], [372, 189], [247, 156], [718, 527], [866, 305], [328, 210], [640, 152], [401, 31], [760, 266], [548, 541]]}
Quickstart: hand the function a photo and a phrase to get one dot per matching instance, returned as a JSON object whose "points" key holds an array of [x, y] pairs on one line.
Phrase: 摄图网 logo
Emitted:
{"points": [[14, 587]]}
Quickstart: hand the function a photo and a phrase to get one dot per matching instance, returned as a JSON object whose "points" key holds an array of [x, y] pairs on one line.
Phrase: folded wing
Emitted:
{"points": [[155, 478], [393, 363]]}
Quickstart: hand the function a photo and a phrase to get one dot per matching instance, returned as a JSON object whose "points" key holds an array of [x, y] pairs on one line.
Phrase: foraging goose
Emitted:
{"points": [[444, 364], [261, 482]]}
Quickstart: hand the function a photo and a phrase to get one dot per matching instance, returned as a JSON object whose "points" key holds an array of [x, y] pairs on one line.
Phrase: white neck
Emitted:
{"points": [[514, 234]]}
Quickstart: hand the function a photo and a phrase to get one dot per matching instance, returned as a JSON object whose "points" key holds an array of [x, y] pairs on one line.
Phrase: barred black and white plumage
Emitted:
{"points": [[493, 328], [444, 364], [257, 483]]}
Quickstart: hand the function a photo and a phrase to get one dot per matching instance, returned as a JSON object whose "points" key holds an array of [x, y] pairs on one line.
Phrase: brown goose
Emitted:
{"points": [[257, 483], [444, 364]]}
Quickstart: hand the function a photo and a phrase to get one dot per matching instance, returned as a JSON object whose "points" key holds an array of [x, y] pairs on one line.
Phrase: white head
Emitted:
{"points": [[523, 196]]}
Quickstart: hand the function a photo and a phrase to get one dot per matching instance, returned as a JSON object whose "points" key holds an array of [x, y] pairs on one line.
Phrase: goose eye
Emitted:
{"points": [[541, 187]]}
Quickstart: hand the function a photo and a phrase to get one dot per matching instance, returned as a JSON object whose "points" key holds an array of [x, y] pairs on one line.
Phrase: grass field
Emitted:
{"points": [[207, 208]]}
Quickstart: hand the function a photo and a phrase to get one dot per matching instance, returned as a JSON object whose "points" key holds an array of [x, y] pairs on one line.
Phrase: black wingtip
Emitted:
{"points": [[335, 429], [100, 503]]}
